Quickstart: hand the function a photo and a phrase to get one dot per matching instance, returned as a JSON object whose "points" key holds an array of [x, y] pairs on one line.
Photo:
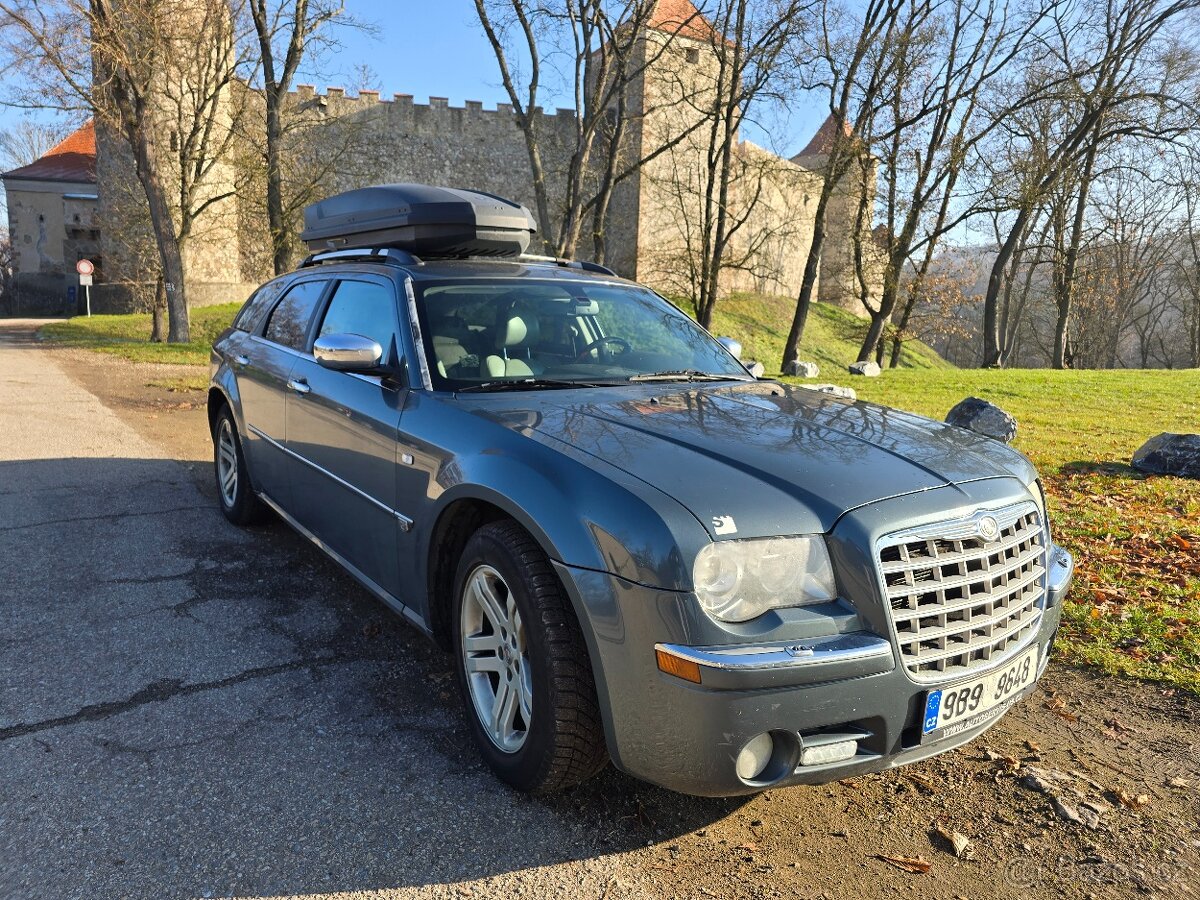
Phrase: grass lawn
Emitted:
{"points": [[832, 336], [129, 335], [1135, 606]]}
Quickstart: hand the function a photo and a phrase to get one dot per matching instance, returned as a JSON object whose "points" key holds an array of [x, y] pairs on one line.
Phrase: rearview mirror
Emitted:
{"points": [[348, 352]]}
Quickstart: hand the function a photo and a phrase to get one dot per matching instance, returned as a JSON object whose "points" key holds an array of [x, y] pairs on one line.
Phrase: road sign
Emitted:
{"points": [[85, 279], [85, 267]]}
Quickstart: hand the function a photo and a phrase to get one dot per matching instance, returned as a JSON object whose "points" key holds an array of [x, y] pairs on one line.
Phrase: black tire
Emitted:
{"points": [[240, 505], [564, 741]]}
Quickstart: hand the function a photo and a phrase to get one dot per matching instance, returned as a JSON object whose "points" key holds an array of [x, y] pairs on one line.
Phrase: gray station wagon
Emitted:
{"points": [[634, 548]]}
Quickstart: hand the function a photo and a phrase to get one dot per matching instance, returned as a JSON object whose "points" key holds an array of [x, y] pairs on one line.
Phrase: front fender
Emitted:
{"points": [[584, 518]]}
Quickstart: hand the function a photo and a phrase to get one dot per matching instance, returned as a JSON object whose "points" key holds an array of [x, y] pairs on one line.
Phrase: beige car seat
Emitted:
{"points": [[514, 335], [448, 334]]}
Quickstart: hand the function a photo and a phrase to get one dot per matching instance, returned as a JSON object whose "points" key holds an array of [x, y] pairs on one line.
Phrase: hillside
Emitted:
{"points": [[831, 338]]}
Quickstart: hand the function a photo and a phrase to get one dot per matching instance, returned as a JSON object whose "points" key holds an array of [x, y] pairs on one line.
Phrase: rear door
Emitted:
{"points": [[343, 427], [263, 366]]}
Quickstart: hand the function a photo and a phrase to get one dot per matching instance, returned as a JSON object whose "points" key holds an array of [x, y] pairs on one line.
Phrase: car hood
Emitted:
{"points": [[758, 459]]}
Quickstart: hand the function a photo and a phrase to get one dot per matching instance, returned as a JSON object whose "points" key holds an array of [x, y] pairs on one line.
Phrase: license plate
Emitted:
{"points": [[969, 704]]}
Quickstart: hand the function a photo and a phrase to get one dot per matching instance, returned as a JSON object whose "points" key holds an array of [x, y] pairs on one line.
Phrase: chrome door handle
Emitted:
{"points": [[242, 360], [300, 386]]}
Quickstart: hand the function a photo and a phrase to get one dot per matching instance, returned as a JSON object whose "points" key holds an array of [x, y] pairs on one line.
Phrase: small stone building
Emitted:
{"points": [[52, 222]]}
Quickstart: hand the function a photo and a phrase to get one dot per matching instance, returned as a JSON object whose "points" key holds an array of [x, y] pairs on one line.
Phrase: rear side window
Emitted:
{"points": [[289, 320], [366, 308], [252, 310]]}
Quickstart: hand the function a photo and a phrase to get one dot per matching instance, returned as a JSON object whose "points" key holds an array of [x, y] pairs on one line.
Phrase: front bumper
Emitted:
{"points": [[809, 693]]}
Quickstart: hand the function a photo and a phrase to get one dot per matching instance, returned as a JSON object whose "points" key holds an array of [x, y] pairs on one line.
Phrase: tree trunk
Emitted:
{"points": [[159, 309], [280, 244], [165, 236], [993, 354], [808, 283]]}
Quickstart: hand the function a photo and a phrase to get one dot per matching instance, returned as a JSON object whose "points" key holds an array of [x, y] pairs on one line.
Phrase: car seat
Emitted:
{"points": [[514, 335]]}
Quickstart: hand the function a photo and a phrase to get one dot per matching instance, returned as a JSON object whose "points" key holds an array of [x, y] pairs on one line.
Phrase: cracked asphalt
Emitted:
{"points": [[192, 710]]}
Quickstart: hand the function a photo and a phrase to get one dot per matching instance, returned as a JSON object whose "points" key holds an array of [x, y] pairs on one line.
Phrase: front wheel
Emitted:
{"points": [[239, 503], [523, 666]]}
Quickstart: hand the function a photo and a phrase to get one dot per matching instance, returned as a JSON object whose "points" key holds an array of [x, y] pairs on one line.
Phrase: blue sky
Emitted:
{"points": [[438, 48]]}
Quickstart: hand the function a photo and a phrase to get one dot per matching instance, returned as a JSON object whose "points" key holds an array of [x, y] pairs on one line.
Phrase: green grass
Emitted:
{"points": [[1135, 606], [832, 336], [128, 336]]}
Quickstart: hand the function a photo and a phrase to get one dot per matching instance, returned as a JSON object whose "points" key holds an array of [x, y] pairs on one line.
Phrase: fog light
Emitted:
{"points": [[755, 756], [828, 753]]}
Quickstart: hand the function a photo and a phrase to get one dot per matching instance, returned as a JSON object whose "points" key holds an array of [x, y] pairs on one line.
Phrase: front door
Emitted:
{"points": [[263, 366], [342, 431]]}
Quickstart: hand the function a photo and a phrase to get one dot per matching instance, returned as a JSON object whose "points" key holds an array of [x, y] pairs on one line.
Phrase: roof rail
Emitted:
{"points": [[390, 255], [568, 263]]}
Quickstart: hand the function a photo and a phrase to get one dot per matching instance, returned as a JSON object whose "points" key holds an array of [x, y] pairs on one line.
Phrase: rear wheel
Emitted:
{"points": [[239, 503], [523, 666]]}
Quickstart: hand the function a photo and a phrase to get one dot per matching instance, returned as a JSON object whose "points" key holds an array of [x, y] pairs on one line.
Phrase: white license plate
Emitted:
{"points": [[968, 704]]}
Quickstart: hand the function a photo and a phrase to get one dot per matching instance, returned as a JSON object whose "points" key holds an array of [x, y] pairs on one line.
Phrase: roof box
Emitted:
{"points": [[427, 221]]}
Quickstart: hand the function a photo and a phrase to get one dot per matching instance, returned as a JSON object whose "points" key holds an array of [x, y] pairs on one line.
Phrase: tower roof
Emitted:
{"points": [[680, 17], [822, 141], [72, 159]]}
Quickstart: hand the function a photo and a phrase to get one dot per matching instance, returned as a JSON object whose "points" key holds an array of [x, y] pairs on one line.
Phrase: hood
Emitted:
{"points": [[759, 459]]}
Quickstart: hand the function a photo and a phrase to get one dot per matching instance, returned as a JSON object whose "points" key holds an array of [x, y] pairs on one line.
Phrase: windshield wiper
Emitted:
{"points": [[532, 384], [684, 375]]}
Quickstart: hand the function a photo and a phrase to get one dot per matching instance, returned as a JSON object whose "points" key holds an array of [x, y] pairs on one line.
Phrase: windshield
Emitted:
{"points": [[482, 335]]}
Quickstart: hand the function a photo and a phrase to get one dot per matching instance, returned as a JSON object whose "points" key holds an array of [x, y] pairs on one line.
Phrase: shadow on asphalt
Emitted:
{"points": [[190, 709]]}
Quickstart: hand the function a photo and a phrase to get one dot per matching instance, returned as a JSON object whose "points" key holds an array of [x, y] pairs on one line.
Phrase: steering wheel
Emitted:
{"points": [[600, 342]]}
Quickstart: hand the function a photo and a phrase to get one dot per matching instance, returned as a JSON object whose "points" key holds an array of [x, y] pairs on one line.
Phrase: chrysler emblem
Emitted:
{"points": [[989, 528]]}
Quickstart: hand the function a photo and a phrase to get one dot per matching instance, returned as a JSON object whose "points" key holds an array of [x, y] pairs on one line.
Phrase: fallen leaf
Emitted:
{"points": [[1178, 782], [914, 864], [957, 841], [1059, 708], [1033, 747], [1132, 801], [1181, 542]]}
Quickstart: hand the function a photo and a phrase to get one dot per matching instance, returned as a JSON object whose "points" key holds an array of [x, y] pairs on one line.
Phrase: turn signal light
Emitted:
{"points": [[677, 666]]}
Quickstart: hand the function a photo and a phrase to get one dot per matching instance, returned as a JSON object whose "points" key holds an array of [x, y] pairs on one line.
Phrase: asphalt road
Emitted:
{"points": [[192, 710]]}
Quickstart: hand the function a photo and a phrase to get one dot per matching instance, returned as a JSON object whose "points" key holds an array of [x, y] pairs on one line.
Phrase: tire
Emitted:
{"points": [[549, 735], [235, 493]]}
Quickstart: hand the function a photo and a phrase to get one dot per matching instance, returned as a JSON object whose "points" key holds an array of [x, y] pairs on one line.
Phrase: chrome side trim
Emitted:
{"points": [[1062, 570], [811, 653], [419, 344], [366, 582], [405, 522]]}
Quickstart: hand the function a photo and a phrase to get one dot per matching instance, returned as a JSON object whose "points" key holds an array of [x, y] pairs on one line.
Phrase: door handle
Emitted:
{"points": [[242, 360], [300, 386]]}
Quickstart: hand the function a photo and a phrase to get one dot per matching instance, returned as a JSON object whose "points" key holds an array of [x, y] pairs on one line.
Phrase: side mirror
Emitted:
{"points": [[348, 353], [733, 346]]}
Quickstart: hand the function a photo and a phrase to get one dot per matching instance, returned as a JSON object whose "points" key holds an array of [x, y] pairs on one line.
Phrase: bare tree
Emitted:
{"points": [[113, 58], [284, 32], [842, 47], [28, 140], [1105, 68]]}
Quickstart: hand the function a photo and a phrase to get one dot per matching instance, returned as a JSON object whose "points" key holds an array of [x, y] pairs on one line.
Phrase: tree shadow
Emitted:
{"points": [[187, 708]]}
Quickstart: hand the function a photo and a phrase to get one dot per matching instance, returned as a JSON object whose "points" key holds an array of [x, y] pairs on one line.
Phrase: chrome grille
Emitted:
{"points": [[959, 601]]}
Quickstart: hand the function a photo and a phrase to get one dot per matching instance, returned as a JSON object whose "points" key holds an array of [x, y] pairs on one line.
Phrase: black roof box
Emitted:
{"points": [[428, 221]]}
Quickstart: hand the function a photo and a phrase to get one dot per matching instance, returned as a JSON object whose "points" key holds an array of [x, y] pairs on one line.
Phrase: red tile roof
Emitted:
{"points": [[74, 159], [682, 18], [822, 141]]}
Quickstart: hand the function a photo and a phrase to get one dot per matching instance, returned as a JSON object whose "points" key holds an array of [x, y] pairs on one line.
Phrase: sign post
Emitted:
{"points": [[85, 268]]}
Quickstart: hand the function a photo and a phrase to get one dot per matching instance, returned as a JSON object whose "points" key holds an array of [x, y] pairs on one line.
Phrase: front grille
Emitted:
{"points": [[959, 601]]}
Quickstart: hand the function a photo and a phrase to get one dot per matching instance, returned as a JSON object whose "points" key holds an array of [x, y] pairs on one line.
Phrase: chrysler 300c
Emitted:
{"points": [[634, 549]]}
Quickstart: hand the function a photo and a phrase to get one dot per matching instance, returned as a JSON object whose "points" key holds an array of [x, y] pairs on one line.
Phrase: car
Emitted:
{"points": [[634, 549]]}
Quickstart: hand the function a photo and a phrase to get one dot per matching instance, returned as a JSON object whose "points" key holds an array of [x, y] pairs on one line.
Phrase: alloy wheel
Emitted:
{"points": [[496, 659]]}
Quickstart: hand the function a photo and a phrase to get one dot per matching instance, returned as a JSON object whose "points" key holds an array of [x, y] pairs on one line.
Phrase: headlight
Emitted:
{"points": [[740, 580]]}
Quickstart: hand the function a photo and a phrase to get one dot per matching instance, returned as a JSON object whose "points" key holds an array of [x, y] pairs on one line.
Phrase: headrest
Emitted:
{"points": [[517, 329]]}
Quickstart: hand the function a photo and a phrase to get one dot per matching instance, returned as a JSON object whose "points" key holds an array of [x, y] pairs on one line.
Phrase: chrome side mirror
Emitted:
{"points": [[732, 345], [348, 352]]}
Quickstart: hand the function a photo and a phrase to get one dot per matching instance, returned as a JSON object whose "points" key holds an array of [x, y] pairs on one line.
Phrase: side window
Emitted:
{"points": [[252, 310], [289, 320], [362, 307]]}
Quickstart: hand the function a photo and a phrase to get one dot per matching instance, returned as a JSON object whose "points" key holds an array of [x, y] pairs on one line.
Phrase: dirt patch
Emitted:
{"points": [[1087, 789]]}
